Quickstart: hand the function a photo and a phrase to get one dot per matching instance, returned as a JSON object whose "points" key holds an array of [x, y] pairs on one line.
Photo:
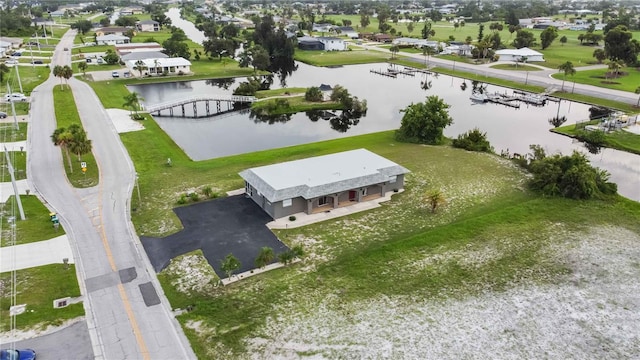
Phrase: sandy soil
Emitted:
{"points": [[591, 313]]}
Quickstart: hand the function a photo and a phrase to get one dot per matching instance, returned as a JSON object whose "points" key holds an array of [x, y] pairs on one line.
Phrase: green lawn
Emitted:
{"points": [[279, 92], [336, 58], [628, 80], [30, 76], [621, 140], [514, 67], [19, 162], [8, 132], [38, 287], [36, 227], [66, 115], [296, 104], [489, 80], [363, 255], [92, 49]]}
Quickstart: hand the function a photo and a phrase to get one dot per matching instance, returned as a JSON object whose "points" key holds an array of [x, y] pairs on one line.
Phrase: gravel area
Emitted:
{"points": [[592, 312]]}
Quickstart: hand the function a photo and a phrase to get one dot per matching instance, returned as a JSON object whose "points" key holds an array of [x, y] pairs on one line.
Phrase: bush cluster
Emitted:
{"points": [[207, 192], [473, 140]]}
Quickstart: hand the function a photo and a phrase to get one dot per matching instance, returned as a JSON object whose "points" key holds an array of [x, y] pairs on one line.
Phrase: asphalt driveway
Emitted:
{"points": [[231, 225]]}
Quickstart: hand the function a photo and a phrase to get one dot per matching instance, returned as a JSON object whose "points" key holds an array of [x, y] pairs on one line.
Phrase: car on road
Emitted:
{"points": [[115, 74], [127, 74], [66, 49], [16, 54], [11, 61], [3, 115], [88, 60], [99, 61], [38, 62], [15, 97], [21, 354]]}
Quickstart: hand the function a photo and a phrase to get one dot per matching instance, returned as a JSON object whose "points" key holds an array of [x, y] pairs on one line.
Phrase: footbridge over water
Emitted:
{"points": [[223, 104]]}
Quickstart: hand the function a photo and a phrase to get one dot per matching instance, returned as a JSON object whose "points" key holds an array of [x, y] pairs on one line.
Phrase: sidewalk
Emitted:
{"points": [[35, 254]]}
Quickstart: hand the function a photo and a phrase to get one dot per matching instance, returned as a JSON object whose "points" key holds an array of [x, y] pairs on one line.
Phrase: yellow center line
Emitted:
{"points": [[123, 295]]}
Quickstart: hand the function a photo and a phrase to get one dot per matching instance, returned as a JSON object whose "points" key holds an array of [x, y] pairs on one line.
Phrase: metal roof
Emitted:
{"points": [[321, 175]]}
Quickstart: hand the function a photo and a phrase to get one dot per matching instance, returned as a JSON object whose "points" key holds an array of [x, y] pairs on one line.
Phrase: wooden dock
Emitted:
{"points": [[499, 99], [383, 73]]}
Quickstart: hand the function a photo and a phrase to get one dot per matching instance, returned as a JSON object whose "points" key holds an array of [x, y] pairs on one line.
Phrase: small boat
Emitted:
{"points": [[479, 98], [534, 99]]}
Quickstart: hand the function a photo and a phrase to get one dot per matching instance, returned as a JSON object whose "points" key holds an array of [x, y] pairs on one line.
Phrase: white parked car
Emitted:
{"points": [[15, 97]]}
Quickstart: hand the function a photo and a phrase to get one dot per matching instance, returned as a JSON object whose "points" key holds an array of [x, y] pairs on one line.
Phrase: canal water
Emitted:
{"points": [[508, 129]]}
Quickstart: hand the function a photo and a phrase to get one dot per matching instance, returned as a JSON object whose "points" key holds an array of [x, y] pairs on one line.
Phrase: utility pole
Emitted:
{"points": [[18, 74], [13, 182], [13, 107]]}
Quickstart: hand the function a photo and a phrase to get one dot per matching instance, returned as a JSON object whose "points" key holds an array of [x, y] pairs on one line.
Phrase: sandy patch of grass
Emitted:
{"points": [[589, 312], [191, 273]]}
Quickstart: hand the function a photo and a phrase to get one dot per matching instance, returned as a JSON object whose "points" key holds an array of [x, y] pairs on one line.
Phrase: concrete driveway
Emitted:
{"points": [[232, 225]]}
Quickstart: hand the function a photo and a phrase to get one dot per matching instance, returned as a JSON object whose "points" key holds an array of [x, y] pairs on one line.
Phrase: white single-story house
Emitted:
{"points": [[158, 66], [148, 25], [333, 44], [518, 54], [112, 39], [141, 55], [405, 41], [460, 50], [15, 42], [347, 31], [123, 49], [5, 48], [322, 27], [322, 183]]}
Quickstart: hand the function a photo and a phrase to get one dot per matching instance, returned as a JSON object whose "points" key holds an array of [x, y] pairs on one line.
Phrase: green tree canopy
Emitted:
{"points": [[230, 264], [547, 36], [83, 26], [524, 38], [424, 122], [620, 45]]}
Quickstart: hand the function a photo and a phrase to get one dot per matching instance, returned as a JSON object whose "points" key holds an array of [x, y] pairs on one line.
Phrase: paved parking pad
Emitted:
{"points": [[231, 225]]}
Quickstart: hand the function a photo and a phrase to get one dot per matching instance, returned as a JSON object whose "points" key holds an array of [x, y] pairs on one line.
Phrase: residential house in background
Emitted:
{"points": [[333, 44], [518, 54], [309, 43], [112, 30], [158, 66], [322, 183], [123, 49], [345, 31], [148, 25], [112, 39]]}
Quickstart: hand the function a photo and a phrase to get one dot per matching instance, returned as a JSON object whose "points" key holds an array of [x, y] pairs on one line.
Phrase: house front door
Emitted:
{"points": [[353, 195]]}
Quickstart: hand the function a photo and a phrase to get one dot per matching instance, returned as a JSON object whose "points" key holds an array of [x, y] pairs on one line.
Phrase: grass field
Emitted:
{"points": [[66, 115], [8, 132], [490, 236], [92, 49], [514, 67], [36, 227], [19, 162], [621, 140], [279, 92], [628, 80], [38, 287], [339, 58], [30, 76], [295, 104]]}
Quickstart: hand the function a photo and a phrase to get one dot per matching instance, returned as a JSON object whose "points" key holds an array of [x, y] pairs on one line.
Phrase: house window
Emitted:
{"points": [[322, 200], [248, 189], [363, 192], [286, 202]]}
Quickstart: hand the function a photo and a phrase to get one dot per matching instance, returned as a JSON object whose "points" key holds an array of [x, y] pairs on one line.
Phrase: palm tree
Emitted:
{"points": [[80, 145], [63, 138], [139, 65], [394, 50], [568, 70], [67, 73], [132, 101], [615, 66], [83, 67], [638, 92], [57, 72], [427, 51], [434, 198]]}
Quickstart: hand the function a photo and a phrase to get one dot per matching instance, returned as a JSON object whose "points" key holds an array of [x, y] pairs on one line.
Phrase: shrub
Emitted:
{"points": [[473, 140], [207, 191], [194, 196], [313, 94], [292, 218], [183, 199], [593, 140], [556, 121]]}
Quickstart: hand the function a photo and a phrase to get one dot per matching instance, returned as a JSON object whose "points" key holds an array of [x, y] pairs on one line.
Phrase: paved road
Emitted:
{"points": [[127, 314], [540, 78], [72, 342]]}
